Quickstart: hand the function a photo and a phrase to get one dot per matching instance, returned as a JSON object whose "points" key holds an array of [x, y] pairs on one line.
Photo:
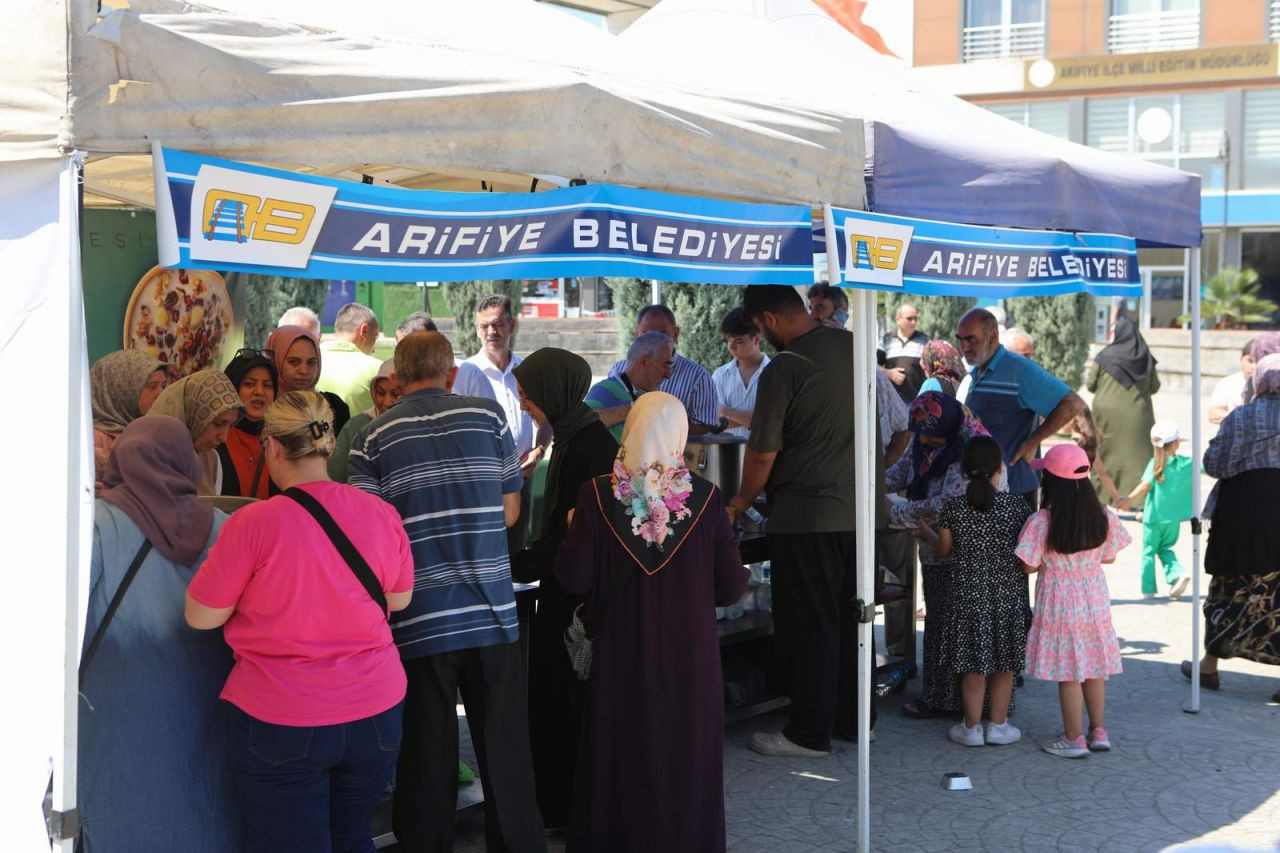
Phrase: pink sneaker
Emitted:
{"points": [[1099, 740], [1065, 747]]}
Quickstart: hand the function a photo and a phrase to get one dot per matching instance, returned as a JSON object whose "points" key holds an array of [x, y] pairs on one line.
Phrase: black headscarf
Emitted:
{"points": [[1127, 358], [557, 381], [236, 370]]}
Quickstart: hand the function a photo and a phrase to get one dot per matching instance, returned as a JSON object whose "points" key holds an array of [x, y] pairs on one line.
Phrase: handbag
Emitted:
{"points": [[579, 636], [359, 567], [60, 826]]}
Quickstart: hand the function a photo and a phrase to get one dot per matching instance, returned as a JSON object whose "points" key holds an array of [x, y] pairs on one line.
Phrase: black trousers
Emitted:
{"points": [[816, 631], [492, 683]]}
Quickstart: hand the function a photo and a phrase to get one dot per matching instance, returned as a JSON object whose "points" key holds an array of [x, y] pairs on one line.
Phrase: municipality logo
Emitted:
{"points": [[244, 218]]}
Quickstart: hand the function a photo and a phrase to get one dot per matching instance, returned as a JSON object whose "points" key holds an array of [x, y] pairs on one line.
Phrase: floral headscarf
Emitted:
{"points": [[115, 385], [649, 477], [937, 415], [1266, 376], [941, 361]]}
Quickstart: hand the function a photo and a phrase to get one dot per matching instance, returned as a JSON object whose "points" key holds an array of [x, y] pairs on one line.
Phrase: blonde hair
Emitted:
{"points": [[1162, 455], [303, 424]]}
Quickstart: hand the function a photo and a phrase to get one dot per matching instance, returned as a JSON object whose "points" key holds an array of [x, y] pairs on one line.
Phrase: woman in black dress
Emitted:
{"points": [[553, 383], [1242, 610]]}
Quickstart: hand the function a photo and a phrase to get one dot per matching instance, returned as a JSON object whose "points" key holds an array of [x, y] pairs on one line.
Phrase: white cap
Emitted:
{"points": [[1164, 433]]}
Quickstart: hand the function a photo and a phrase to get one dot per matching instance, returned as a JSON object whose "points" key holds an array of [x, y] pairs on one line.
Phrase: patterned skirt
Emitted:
{"points": [[1242, 618]]}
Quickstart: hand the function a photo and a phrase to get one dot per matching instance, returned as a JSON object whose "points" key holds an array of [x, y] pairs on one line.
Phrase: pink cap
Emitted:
{"points": [[1067, 461]]}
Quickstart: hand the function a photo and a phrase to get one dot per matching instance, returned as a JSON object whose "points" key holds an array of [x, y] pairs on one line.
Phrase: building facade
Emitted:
{"points": [[1191, 84]]}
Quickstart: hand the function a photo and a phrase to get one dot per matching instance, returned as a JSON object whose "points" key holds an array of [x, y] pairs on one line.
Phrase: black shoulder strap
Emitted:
{"points": [[359, 567], [129, 575]]}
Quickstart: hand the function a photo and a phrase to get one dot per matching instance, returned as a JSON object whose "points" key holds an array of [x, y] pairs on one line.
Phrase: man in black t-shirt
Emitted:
{"points": [[801, 453]]}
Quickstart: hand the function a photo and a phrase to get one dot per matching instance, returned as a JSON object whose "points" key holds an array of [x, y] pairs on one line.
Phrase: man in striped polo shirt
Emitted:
{"points": [[448, 464], [689, 381]]}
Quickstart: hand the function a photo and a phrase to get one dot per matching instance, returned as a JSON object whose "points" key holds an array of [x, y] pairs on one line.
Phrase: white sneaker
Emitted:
{"points": [[1000, 734], [1148, 595], [1179, 587], [1065, 747], [965, 736], [776, 743]]}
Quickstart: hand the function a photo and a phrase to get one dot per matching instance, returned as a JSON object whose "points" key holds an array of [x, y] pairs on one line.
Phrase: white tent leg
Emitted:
{"points": [[1192, 277], [864, 447]]}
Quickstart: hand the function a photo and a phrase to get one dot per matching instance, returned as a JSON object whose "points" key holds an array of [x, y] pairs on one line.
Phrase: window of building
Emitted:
{"points": [[1192, 144], [1273, 20], [995, 29], [1260, 252], [1261, 147], [1045, 116], [1139, 26]]}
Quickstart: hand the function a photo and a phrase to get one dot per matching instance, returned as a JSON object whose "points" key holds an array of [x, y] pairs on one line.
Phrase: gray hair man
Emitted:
{"points": [[449, 467], [649, 361], [418, 321], [301, 315], [688, 381], [347, 364], [1018, 340]]}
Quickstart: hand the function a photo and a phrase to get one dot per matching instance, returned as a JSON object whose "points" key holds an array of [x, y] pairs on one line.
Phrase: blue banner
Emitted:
{"points": [[234, 216], [884, 252]]}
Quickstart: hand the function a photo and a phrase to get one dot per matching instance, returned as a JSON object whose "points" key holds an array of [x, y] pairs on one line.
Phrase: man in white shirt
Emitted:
{"points": [[492, 378], [1229, 392], [736, 379]]}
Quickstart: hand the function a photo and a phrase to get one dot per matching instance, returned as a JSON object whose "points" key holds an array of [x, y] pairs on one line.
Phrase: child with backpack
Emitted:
{"points": [[1072, 640], [1165, 491], [986, 625]]}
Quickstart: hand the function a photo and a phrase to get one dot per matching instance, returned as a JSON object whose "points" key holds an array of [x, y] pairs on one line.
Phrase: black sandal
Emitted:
{"points": [[918, 709], [1208, 680]]}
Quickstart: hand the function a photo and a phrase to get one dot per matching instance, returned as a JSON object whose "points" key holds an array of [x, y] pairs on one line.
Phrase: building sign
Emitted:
{"points": [[1174, 67], [883, 252]]}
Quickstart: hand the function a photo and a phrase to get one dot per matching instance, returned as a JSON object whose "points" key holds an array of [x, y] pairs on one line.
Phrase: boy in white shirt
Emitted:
{"points": [[736, 380]]}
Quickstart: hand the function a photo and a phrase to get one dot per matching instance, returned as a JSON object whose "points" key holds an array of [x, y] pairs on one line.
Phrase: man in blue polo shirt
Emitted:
{"points": [[449, 466], [1009, 394]]}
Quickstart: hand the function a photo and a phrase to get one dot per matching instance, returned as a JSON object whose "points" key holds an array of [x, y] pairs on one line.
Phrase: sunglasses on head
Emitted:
{"points": [[250, 352]]}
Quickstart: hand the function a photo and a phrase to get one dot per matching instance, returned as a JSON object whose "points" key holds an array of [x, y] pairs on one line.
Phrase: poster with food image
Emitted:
{"points": [[181, 316]]}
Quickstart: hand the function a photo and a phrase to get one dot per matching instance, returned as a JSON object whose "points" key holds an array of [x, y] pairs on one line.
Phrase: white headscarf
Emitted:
{"points": [[656, 431]]}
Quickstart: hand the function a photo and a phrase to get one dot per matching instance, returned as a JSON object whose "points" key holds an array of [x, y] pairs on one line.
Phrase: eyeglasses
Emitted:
{"points": [[250, 352]]}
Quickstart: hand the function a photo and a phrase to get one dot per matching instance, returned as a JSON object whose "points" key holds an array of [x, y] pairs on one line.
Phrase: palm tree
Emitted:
{"points": [[1231, 300]]}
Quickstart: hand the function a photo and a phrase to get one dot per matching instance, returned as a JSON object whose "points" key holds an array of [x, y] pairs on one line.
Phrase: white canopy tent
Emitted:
{"points": [[434, 97]]}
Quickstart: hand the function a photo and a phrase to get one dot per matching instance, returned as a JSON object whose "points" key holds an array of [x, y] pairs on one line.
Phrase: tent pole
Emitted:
{"points": [[1192, 705], [864, 413], [864, 447]]}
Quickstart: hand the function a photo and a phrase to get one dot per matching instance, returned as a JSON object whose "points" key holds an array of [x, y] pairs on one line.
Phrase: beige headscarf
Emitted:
{"points": [[115, 384], [196, 400], [656, 431], [386, 371]]}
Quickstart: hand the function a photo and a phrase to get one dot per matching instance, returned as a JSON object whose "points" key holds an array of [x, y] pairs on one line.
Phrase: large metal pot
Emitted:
{"points": [[717, 458]]}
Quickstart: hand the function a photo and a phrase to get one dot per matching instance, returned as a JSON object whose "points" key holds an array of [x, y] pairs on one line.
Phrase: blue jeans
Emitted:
{"points": [[312, 789]]}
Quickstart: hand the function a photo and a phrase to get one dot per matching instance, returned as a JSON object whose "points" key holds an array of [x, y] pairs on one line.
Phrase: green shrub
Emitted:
{"points": [[1062, 328]]}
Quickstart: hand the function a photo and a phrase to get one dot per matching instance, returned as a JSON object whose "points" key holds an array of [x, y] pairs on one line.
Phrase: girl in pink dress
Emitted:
{"points": [[1071, 640]]}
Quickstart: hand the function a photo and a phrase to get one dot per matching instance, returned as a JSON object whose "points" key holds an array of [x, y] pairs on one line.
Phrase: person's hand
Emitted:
{"points": [[734, 509], [530, 462], [897, 375], [925, 532], [1123, 503], [1026, 453]]}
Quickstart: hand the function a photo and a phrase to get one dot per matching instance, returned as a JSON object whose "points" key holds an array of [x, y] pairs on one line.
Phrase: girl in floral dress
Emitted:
{"points": [[1072, 640]]}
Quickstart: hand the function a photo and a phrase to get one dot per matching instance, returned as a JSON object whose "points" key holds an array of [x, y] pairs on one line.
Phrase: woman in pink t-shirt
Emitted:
{"points": [[317, 689]]}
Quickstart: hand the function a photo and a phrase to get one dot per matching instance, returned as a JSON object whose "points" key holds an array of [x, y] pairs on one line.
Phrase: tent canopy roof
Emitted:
{"points": [[931, 155]]}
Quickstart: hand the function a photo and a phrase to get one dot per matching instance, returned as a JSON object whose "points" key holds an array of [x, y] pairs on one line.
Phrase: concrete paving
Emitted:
{"points": [[1171, 779]]}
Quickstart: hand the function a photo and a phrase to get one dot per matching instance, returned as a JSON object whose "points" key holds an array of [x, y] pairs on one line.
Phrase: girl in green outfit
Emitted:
{"points": [[1166, 488]]}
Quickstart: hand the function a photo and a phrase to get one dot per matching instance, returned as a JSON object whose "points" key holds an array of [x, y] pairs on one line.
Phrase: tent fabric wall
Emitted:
{"points": [[47, 500], [33, 66]]}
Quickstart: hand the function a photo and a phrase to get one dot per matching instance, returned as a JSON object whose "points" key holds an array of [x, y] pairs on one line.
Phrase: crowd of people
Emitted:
{"points": [[369, 579]]}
